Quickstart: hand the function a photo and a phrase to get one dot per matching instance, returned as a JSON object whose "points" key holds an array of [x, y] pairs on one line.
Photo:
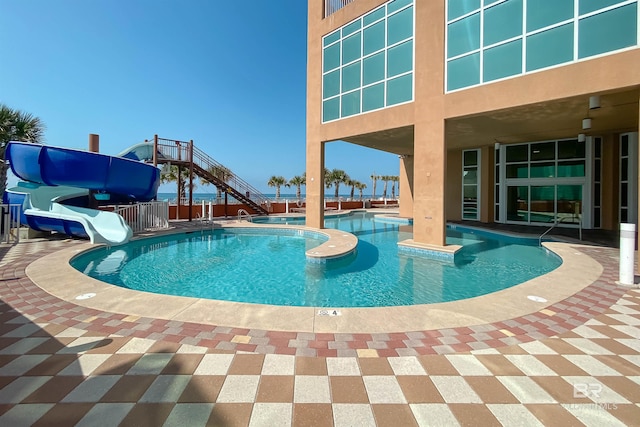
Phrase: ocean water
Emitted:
{"points": [[200, 196]]}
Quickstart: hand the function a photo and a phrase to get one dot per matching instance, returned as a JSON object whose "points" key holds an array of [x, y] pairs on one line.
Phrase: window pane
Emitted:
{"points": [[373, 68], [597, 170], [470, 176], [397, 4], [351, 77], [400, 89], [374, 38], [542, 13], [569, 203], [489, 2], [596, 218], [550, 47], [570, 169], [543, 151], [624, 195], [351, 28], [373, 97], [587, 6], [461, 7], [373, 16], [596, 195], [597, 144], [624, 169], [400, 26], [502, 22], [503, 61], [519, 170], [351, 103], [571, 149], [518, 204], [331, 109], [463, 72], [400, 59], [471, 192], [543, 204], [331, 84], [335, 36], [463, 36], [608, 31], [331, 57], [470, 158], [517, 153], [351, 48], [543, 170]]}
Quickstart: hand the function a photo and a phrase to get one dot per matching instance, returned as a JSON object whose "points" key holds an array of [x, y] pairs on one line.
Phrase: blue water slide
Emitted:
{"points": [[62, 181], [43, 164]]}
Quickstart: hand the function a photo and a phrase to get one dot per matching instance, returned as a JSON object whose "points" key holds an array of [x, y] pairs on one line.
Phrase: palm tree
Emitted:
{"points": [[361, 186], [375, 179], [386, 179], [277, 181], [169, 173], [394, 179], [16, 125], [337, 177], [353, 184], [223, 174], [298, 181]]}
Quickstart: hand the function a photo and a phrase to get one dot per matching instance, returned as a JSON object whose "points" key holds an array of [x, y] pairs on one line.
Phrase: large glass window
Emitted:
{"points": [[368, 63], [511, 37], [471, 184], [544, 181]]}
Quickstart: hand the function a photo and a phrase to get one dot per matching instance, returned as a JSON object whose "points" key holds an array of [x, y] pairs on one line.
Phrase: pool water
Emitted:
{"points": [[270, 267]]}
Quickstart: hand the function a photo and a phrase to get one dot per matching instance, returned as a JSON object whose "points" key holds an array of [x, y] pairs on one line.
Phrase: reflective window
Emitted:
{"points": [[503, 61], [368, 63], [400, 59], [374, 38], [512, 37], [373, 97], [542, 13], [463, 36], [400, 89], [615, 29], [551, 47], [464, 72], [373, 68], [502, 21], [350, 104], [400, 26], [457, 8]]}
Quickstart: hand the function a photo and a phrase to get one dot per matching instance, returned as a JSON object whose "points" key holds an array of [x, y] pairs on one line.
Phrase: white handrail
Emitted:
{"points": [[242, 212], [145, 216]]}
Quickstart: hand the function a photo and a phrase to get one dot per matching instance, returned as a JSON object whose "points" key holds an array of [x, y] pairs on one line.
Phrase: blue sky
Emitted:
{"points": [[229, 75]]}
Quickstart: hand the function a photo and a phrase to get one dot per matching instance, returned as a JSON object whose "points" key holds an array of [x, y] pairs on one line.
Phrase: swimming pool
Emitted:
{"points": [[269, 266]]}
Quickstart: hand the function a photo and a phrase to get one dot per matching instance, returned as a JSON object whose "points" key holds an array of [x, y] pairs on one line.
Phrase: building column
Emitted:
{"points": [[315, 184], [406, 186], [429, 215]]}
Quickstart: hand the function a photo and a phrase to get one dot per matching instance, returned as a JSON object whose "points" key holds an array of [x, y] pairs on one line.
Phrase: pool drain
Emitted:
{"points": [[86, 296], [329, 313], [537, 298]]}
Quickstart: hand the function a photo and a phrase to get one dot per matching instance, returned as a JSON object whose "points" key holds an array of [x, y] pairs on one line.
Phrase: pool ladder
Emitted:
{"points": [[204, 221], [556, 222], [243, 213]]}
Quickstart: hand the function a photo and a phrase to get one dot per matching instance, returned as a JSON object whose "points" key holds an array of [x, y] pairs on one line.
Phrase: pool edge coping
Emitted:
{"points": [[54, 275]]}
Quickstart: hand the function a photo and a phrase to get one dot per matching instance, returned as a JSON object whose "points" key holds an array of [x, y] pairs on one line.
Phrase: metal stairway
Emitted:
{"points": [[184, 153]]}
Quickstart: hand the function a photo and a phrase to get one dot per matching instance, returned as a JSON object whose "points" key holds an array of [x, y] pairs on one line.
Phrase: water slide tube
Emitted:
{"points": [[60, 182]]}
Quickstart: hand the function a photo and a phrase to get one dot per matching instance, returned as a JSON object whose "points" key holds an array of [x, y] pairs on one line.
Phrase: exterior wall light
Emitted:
{"points": [[581, 137], [586, 123], [594, 102]]}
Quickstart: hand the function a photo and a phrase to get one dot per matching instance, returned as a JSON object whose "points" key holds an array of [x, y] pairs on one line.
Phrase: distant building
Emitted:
{"points": [[511, 111]]}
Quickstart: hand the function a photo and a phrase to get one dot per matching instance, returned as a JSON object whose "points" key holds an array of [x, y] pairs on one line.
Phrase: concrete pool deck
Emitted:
{"points": [[575, 362]]}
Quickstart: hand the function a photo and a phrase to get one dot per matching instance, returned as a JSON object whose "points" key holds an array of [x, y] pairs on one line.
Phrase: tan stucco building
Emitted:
{"points": [[512, 111]]}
